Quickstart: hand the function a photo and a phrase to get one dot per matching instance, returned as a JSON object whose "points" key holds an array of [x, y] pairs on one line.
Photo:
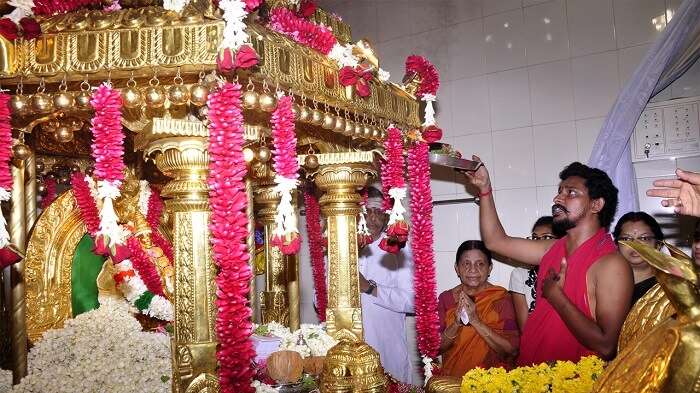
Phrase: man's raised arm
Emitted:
{"points": [[492, 232]]}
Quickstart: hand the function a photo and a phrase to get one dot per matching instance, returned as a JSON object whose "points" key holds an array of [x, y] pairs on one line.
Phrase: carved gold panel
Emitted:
{"points": [[50, 252]]}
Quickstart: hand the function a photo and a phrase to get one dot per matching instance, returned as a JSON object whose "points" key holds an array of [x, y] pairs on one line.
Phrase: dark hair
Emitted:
{"points": [[374, 192], [599, 185], [637, 217], [548, 221], [473, 245]]}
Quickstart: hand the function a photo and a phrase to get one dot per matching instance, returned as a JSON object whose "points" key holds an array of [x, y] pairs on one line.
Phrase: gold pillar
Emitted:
{"points": [[180, 151], [341, 205], [280, 300], [30, 191], [18, 237], [250, 242]]}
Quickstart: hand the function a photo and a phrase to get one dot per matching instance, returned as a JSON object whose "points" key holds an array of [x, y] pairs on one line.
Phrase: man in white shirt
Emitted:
{"points": [[386, 286]]}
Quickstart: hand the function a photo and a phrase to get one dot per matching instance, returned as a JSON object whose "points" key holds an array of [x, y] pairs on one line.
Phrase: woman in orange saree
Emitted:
{"points": [[477, 319]]}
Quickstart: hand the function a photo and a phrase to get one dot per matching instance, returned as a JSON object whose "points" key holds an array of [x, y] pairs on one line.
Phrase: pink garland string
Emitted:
{"points": [[50, 193], [427, 320], [107, 135], [430, 79], [397, 231], [307, 33], [54, 7], [86, 204], [286, 167], [155, 212], [143, 265], [318, 264], [5, 143], [228, 225]]}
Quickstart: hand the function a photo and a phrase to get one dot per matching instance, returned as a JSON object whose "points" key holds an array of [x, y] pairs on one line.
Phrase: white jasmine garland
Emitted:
{"points": [[285, 218], [133, 288], [4, 234], [23, 8], [234, 34], [427, 368], [362, 228], [429, 110], [262, 387], [397, 210], [144, 196], [103, 350], [308, 340], [108, 192]]}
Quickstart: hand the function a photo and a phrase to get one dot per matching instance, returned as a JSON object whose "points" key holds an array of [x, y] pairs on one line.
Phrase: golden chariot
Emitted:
{"points": [[164, 62]]}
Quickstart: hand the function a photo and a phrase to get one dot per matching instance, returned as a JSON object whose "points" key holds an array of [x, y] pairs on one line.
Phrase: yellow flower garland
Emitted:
{"points": [[562, 377]]}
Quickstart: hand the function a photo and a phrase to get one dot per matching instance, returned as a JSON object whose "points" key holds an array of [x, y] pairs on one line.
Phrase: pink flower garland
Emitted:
{"points": [[86, 204], [285, 21], [430, 80], [228, 201], [155, 211], [142, 264], [107, 136], [427, 321], [397, 228], [54, 7], [318, 264], [50, 193], [285, 235]]}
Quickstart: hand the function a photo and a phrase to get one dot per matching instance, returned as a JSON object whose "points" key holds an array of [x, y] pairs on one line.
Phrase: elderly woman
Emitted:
{"points": [[477, 319]]}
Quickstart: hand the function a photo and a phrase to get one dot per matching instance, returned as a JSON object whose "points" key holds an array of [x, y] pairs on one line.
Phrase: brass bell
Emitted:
{"points": [[268, 103], [304, 114], [248, 154], [366, 131], [178, 94], [83, 99], [316, 117], [21, 151], [328, 121], [358, 129], [264, 154], [376, 133], [63, 134], [40, 166], [19, 104], [339, 124], [199, 94], [131, 97], [63, 100], [154, 96], [349, 128], [250, 99], [41, 103], [311, 161], [295, 111]]}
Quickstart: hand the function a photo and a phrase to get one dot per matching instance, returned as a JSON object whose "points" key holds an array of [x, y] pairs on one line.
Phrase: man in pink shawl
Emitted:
{"points": [[585, 286]]}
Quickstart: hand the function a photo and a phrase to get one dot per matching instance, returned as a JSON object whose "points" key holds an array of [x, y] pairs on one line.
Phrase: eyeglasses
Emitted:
{"points": [[643, 239], [546, 236]]}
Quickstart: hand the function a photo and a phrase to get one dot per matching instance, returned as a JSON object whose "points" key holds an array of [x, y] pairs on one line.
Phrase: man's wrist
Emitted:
{"points": [[486, 191]]}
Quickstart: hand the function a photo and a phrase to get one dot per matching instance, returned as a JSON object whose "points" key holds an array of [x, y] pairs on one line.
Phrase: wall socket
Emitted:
{"points": [[667, 129]]}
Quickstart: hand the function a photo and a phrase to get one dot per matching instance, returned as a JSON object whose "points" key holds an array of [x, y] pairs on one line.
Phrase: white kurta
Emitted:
{"points": [[384, 315]]}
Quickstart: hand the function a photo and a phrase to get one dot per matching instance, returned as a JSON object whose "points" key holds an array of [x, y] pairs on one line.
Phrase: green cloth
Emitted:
{"points": [[86, 267]]}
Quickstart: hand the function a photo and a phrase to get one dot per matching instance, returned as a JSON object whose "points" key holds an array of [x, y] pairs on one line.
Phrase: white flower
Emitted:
{"points": [[262, 387], [103, 350], [383, 75], [234, 31], [175, 5], [342, 54], [144, 197]]}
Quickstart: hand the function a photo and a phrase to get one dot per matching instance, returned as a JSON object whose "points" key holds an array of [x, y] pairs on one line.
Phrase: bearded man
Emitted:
{"points": [[585, 286]]}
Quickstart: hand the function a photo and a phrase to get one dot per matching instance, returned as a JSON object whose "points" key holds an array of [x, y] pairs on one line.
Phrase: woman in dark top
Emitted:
{"points": [[641, 227]]}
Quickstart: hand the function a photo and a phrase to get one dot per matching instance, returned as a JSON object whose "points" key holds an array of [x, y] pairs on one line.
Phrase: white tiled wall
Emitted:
{"points": [[526, 85]]}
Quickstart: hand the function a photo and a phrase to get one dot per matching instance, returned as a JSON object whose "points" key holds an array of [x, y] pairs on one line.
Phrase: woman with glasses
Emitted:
{"points": [[641, 227], [522, 281]]}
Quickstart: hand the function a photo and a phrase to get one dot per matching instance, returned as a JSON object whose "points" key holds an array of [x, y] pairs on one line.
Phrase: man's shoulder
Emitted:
{"points": [[610, 265]]}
